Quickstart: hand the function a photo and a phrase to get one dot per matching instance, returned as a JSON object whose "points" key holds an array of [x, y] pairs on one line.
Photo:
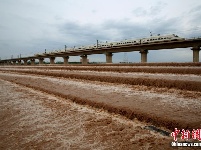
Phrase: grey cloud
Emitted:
{"points": [[152, 11], [139, 12], [82, 34], [165, 26], [194, 14], [192, 20], [156, 9], [109, 30], [125, 29], [195, 9], [130, 29]]}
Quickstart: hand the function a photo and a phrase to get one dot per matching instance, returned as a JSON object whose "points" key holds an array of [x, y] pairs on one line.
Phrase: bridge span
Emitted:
{"points": [[193, 44]]}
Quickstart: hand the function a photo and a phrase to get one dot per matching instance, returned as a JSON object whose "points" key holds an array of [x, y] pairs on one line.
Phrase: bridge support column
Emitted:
{"points": [[8, 62], [41, 61], [19, 62], [14, 62], [84, 59], [25, 62], [109, 57], [144, 55], [32, 61], [52, 60], [196, 51], [66, 60]]}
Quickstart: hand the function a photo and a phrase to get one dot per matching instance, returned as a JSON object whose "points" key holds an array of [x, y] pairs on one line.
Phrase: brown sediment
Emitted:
{"points": [[35, 120], [152, 69], [174, 64], [159, 83], [53, 124], [170, 119], [166, 64]]}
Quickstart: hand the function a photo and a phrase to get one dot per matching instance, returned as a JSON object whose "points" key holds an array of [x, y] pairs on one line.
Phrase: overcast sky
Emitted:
{"points": [[31, 26]]}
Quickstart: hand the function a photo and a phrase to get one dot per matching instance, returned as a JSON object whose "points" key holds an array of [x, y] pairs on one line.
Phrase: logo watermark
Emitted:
{"points": [[186, 135], [187, 144]]}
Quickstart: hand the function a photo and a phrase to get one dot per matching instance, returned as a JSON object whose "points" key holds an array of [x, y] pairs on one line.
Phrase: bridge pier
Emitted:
{"points": [[32, 61], [14, 62], [84, 59], [66, 60], [9, 63], [109, 57], [196, 51], [144, 55], [5, 63], [41, 61], [52, 60], [19, 62], [25, 61]]}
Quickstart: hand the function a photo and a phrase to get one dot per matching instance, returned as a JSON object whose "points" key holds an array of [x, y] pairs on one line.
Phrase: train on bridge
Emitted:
{"points": [[149, 40], [152, 39]]}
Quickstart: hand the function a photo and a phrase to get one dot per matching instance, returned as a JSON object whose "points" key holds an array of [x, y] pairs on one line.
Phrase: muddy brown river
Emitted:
{"points": [[44, 112]]}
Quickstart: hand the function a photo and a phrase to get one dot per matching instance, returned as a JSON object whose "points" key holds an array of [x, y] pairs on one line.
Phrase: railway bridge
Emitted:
{"points": [[193, 44]]}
